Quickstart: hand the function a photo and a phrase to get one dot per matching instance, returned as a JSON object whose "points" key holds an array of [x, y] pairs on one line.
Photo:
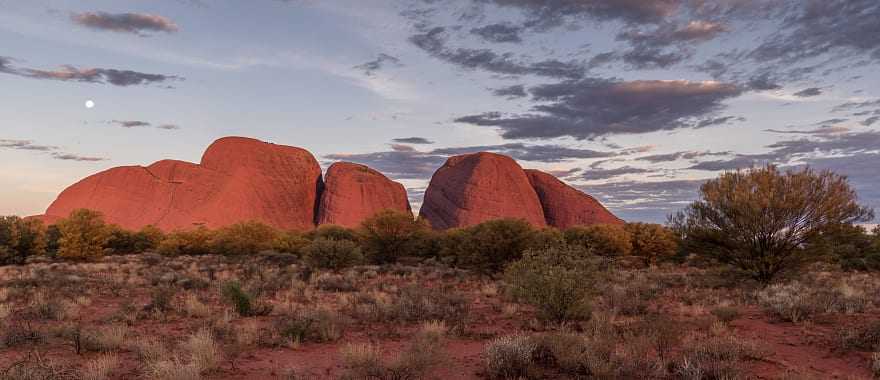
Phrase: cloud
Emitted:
{"points": [[672, 34], [808, 92], [651, 201], [824, 130], [74, 157], [54, 151], [511, 92], [115, 77], [25, 145], [434, 43], [412, 140], [539, 153], [870, 121], [730, 164], [402, 148], [762, 82], [851, 106], [543, 14], [684, 155], [381, 61], [142, 124], [595, 107], [600, 174], [136, 23], [396, 164], [502, 32]]}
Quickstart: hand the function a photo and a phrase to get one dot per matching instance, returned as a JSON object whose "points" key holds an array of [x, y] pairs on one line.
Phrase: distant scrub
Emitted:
{"points": [[488, 246], [84, 235], [123, 241], [20, 239], [244, 238], [188, 242], [332, 254], [603, 239], [390, 234], [653, 242]]}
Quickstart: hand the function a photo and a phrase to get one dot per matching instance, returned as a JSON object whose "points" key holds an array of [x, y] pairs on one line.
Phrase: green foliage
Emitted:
{"points": [[389, 235], [332, 232], [244, 238], [488, 246], [84, 235], [124, 241], [560, 282], [187, 242], [652, 241], [243, 302], [290, 242], [53, 236], [548, 237], [850, 246], [20, 238], [762, 220], [609, 240], [326, 253]]}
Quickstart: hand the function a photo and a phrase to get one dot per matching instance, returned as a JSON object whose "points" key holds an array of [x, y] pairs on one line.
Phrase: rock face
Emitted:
{"points": [[354, 192], [565, 206], [238, 179], [473, 188]]}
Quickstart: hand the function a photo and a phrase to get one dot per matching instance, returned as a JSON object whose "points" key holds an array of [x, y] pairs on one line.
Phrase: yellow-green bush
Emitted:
{"points": [[558, 281], [390, 234], [20, 238], [332, 232], [652, 241], [332, 254], [488, 246], [187, 242], [84, 235], [610, 240], [290, 242], [124, 241], [244, 238]]}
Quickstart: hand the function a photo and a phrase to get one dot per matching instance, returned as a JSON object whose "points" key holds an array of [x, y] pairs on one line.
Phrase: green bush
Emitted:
{"points": [[84, 235], [124, 241], [290, 242], [609, 240], [244, 303], [187, 242], [332, 254], [20, 238], [560, 282], [652, 241], [488, 246], [848, 245], [244, 238], [547, 238], [332, 232], [390, 234]]}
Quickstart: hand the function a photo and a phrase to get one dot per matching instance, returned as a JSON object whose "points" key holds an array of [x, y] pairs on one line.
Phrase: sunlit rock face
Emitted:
{"points": [[354, 192], [565, 206]]}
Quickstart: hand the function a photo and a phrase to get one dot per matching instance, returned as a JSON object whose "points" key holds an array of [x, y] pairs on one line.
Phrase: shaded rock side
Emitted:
{"points": [[564, 206], [354, 192]]}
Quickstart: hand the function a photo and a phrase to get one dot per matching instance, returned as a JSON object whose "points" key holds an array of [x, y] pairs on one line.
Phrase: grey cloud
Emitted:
{"points": [[850, 106], [501, 32], [717, 121], [402, 148], [130, 123], [25, 145], [763, 82], [600, 174], [672, 34], [545, 14], [94, 75], [381, 61], [434, 43], [870, 121], [396, 164], [738, 162], [412, 140], [136, 23], [651, 58], [824, 130], [594, 107], [685, 155], [808, 92], [539, 153], [168, 127], [514, 91], [650, 201], [75, 157]]}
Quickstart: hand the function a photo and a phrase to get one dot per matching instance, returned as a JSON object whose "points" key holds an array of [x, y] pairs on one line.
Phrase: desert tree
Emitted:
{"points": [[762, 220], [84, 235]]}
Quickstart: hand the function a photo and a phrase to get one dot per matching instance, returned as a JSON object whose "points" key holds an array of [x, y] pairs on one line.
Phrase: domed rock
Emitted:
{"points": [[473, 188], [239, 179], [354, 192], [565, 206]]}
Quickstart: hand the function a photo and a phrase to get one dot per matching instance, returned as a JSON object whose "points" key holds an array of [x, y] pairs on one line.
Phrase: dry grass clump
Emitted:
{"points": [[202, 350], [111, 338], [197, 355], [796, 301], [510, 357], [100, 368], [418, 304], [36, 367], [875, 364], [717, 354], [309, 325], [865, 337], [192, 306], [330, 282], [364, 361]]}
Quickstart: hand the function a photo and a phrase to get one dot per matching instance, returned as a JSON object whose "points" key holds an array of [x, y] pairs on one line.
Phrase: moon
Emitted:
{"points": [[90, 104]]}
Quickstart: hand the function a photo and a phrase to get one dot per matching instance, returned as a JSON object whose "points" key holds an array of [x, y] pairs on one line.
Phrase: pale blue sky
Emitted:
{"points": [[610, 93]]}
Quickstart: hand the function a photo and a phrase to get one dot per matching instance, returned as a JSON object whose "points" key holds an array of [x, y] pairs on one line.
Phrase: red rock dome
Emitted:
{"points": [[239, 179], [473, 188], [354, 192], [565, 206]]}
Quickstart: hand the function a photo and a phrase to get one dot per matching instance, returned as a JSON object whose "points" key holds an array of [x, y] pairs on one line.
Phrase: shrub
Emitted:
{"points": [[603, 239], [290, 242], [204, 353], [715, 356], [488, 246], [418, 304], [332, 232], [792, 302], [547, 238], [187, 242], [310, 325], [762, 220], [20, 238], [331, 254], [243, 302], [850, 246], [865, 337], [390, 234], [509, 357], [244, 238], [558, 281], [100, 367], [124, 241], [652, 241], [364, 361], [83, 235], [875, 364]]}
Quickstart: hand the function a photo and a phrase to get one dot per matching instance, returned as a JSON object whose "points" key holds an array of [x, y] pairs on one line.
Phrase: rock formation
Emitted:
{"points": [[565, 206], [354, 192], [473, 188], [238, 179]]}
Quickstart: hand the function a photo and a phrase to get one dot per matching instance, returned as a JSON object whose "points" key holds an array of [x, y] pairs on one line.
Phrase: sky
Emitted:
{"points": [[636, 102]]}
